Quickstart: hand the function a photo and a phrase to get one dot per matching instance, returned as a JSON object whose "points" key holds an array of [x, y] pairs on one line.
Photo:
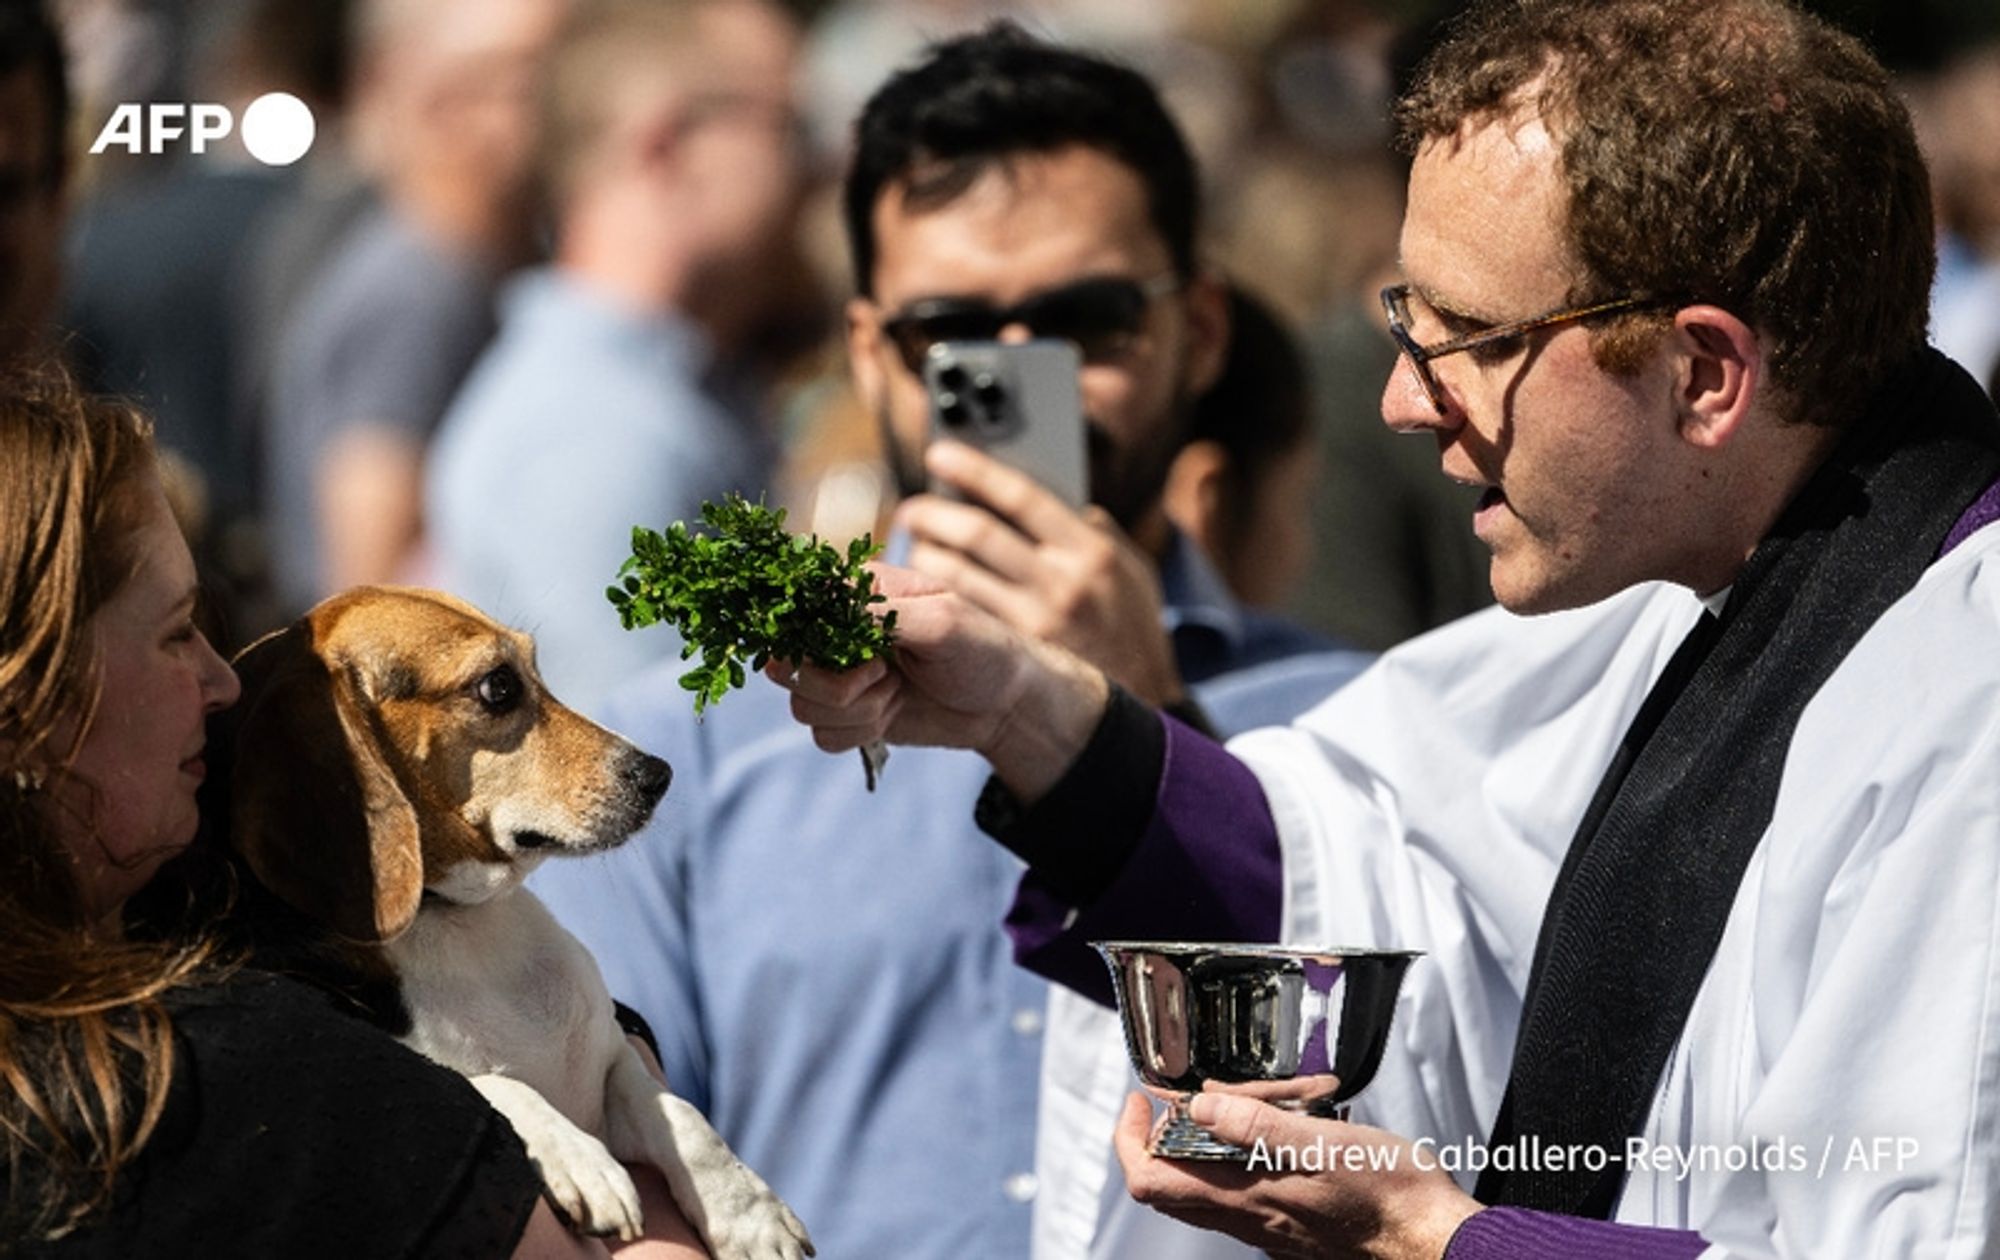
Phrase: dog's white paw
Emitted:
{"points": [[583, 1179], [738, 1216], [745, 1219], [591, 1188]]}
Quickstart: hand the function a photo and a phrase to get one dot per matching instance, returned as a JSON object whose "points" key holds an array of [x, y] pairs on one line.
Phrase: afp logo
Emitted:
{"points": [[277, 128]]}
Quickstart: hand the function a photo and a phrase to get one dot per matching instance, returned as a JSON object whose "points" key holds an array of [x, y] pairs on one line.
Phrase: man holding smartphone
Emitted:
{"points": [[823, 966], [1092, 242]]}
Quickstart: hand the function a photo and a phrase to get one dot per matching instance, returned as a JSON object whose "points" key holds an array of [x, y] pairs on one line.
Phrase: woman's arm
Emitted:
{"points": [[668, 1236]]}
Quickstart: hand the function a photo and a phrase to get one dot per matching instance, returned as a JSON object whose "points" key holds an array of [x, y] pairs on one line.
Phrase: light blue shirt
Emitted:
{"points": [[581, 420], [826, 970]]}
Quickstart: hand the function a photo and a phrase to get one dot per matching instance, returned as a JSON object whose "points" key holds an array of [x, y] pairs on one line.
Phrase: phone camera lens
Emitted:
{"points": [[952, 377], [953, 411], [988, 390]]}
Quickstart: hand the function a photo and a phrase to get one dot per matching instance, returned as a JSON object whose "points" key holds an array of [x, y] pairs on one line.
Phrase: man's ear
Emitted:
{"points": [[1193, 496], [1719, 374], [1207, 304], [864, 354]]}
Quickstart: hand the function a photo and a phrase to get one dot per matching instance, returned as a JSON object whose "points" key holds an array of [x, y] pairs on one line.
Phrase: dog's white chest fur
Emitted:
{"points": [[502, 993], [502, 988]]}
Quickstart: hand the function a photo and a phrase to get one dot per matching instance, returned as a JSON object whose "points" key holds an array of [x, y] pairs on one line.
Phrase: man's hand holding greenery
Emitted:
{"points": [[748, 592]]}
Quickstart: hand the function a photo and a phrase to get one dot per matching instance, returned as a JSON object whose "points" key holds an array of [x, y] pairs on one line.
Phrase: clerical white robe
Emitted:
{"points": [[1848, 1029]]}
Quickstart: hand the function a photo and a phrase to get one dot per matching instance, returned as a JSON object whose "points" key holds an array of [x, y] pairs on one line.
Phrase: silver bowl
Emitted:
{"points": [[1301, 1028]]}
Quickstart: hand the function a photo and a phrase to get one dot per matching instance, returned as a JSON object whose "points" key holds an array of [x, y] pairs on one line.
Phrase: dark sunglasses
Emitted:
{"points": [[1102, 315]]}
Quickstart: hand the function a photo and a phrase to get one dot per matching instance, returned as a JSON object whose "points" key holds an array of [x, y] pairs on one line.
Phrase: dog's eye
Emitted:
{"points": [[499, 690]]}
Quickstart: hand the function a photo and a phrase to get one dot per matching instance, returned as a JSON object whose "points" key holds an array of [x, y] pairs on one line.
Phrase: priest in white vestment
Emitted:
{"points": [[1700, 831]]}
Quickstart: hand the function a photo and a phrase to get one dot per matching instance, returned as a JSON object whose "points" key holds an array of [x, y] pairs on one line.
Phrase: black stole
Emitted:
{"points": [[1646, 887]]}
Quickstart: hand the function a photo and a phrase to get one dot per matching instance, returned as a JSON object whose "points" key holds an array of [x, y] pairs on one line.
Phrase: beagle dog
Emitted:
{"points": [[393, 771]]}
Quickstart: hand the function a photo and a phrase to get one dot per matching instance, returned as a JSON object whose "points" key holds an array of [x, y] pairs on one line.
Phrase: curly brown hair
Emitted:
{"points": [[1734, 152], [86, 1050]]}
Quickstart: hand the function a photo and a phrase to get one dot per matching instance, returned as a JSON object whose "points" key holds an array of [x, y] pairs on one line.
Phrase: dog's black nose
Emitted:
{"points": [[648, 775]]}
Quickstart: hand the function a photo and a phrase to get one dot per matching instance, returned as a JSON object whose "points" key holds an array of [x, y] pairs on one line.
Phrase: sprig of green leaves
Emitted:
{"points": [[748, 592]]}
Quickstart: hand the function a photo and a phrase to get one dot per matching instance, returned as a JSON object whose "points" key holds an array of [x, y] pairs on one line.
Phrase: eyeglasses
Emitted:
{"points": [[1102, 315], [1396, 305]]}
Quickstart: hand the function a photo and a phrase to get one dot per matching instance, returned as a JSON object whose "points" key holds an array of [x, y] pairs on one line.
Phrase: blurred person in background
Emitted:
{"points": [[1309, 206], [158, 266], [1960, 126], [824, 962], [34, 174], [669, 151], [282, 255], [444, 110], [1241, 486], [35, 177]]}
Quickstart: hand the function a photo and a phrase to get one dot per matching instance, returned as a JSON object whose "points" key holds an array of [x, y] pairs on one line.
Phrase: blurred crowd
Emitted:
{"points": [[365, 362]]}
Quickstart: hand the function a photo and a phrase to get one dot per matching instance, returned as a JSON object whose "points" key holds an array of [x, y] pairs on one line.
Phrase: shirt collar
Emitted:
{"points": [[1195, 594]]}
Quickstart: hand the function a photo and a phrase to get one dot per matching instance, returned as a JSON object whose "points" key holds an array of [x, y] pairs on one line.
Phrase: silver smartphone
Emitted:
{"points": [[1017, 401]]}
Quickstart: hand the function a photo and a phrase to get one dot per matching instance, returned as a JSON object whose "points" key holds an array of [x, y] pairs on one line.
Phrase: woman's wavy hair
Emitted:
{"points": [[1736, 152], [86, 1049]]}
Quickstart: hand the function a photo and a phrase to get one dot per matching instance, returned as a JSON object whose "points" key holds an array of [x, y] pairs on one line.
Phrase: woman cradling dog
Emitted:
{"points": [[156, 1096]]}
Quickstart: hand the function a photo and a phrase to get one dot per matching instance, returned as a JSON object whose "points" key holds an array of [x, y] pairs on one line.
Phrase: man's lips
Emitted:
{"points": [[195, 766], [1491, 497]]}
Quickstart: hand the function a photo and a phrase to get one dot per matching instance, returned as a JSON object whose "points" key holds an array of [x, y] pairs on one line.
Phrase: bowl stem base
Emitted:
{"points": [[1176, 1136]]}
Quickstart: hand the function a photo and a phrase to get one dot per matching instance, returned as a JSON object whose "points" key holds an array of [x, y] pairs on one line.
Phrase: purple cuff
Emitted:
{"points": [[1207, 869], [1984, 511], [1503, 1233]]}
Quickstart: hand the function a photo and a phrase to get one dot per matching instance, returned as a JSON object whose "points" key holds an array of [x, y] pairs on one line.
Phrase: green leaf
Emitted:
{"points": [[748, 592]]}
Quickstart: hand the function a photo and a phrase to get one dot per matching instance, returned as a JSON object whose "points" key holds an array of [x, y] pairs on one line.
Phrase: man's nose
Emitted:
{"points": [[1407, 406]]}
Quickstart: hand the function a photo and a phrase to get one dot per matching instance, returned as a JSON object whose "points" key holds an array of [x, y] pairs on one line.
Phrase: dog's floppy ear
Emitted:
{"points": [[315, 809]]}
